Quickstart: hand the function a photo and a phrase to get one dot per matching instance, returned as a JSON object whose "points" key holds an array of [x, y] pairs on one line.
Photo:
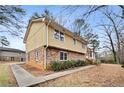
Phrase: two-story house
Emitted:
{"points": [[48, 41]]}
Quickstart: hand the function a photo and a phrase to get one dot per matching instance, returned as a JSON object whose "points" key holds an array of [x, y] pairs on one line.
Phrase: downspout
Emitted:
{"points": [[45, 54]]}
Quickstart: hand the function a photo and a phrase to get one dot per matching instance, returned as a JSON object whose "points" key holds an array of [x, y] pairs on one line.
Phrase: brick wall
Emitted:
{"points": [[54, 55], [36, 62]]}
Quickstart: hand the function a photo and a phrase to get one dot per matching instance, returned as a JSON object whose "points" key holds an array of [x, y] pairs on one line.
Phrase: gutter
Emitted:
{"points": [[45, 54]]}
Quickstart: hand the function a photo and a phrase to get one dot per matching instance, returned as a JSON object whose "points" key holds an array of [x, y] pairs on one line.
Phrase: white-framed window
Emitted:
{"points": [[59, 35], [63, 55], [36, 55], [56, 34], [74, 41]]}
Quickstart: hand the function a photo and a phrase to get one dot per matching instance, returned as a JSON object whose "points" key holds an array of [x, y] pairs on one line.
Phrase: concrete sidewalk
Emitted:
{"points": [[25, 79]]}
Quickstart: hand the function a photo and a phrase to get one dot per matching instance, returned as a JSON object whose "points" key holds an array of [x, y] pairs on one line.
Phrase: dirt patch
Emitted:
{"points": [[105, 75], [35, 71]]}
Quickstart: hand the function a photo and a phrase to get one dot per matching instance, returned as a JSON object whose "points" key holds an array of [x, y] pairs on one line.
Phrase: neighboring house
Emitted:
{"points": [[48, 41], [89, 53], [10, 54]]}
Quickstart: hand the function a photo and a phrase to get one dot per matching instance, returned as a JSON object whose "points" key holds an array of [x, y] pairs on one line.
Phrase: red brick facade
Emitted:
{"points": [[36, 57], [53, 54]]}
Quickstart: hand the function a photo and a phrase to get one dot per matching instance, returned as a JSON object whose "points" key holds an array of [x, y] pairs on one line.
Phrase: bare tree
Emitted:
{"points": [[46, 13], [108, 33], [82, 29], [11, 19], [115, 23], [4, 41]]}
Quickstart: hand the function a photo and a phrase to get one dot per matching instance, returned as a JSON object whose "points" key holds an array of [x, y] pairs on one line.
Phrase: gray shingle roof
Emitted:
{"points": [[11, 50]]}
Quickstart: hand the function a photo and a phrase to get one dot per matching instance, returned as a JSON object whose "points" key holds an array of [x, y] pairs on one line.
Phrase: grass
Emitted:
{"points": [[6, 76]]}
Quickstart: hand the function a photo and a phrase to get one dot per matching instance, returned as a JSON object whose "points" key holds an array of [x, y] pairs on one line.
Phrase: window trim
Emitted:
{"points": [[59, 35], [63, 56], [62, 35], [56, 31]]}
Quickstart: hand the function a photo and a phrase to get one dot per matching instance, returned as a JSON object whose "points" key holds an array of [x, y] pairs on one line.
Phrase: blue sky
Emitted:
{"points": [[30, 9], [16, 42]]}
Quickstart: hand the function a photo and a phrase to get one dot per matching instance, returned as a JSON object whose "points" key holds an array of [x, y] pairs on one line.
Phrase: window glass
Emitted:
{"points": [[74, 40], [56, 34], [61, 55], [65, 56], [61, 36]]}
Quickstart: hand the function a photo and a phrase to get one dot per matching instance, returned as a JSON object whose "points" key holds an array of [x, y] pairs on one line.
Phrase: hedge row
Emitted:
{"points": [[62, 65]]}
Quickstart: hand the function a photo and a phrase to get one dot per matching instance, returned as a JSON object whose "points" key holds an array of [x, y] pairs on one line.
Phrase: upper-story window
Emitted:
{"points": [[59, 35], [74, 41], [56, 34]]}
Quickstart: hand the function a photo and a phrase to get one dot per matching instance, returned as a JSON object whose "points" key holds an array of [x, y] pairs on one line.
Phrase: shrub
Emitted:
{"points": [[62, 65], [55, 66], [89, 61]]}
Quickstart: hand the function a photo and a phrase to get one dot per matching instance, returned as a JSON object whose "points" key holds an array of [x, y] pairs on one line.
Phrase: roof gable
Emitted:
{"points": [[54, 25]]}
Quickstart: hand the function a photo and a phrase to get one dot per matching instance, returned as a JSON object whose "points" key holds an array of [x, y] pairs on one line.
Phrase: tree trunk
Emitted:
{"points": [[113, 49], [117, 35]]}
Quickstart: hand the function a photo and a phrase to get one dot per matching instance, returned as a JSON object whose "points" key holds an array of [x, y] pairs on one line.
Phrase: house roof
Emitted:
{"points": [[11, 50], [56, 26], [64, 49]]}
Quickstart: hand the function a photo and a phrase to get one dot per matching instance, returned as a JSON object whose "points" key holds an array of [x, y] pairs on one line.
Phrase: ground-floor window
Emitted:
{"points": [[63, 56]]}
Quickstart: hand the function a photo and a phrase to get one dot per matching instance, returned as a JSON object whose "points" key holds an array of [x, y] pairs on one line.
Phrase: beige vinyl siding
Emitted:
{"points": [[68, 42], [36, 37]]}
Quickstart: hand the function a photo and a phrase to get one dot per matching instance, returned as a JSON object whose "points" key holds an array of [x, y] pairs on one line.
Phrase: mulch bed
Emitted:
{"points": [[35, 71]]}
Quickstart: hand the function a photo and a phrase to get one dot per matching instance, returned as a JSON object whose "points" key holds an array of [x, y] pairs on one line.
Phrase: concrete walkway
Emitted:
{"points": [[25, 79]]}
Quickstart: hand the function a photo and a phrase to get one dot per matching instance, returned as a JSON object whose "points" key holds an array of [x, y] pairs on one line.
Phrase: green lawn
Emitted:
{"points": [[6, 76]]}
